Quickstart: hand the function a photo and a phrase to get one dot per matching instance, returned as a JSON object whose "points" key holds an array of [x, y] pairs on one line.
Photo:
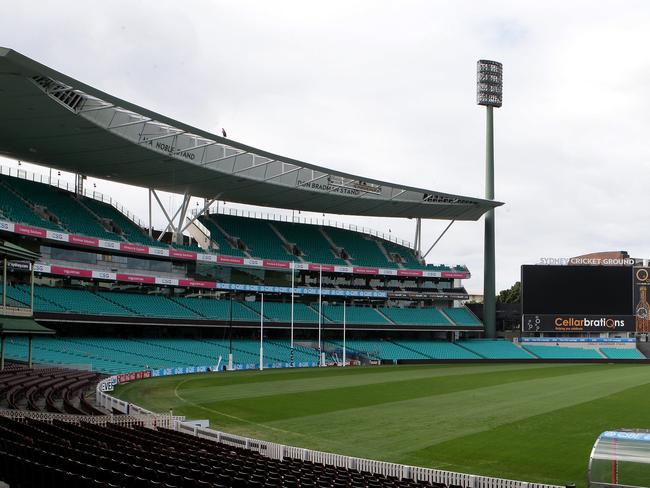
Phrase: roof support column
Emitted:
{"points": [[438, 239], [417, 242], [150, 225], [206, 206], [179, 228], [170, 221], [79, 183]]}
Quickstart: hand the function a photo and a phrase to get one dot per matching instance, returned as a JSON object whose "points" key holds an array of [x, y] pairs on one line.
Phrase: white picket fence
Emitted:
{"points": [[280, 451]]}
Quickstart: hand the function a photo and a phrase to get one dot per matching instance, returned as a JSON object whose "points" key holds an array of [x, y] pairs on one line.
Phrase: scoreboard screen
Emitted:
{"points": [[577, 298]]}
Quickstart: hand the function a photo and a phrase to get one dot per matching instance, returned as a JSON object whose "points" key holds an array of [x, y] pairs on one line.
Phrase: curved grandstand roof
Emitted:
{"points": [[52, 119]]}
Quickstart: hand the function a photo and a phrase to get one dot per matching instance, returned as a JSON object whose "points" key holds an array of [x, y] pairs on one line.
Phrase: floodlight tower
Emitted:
{"points": [[489, 92]]}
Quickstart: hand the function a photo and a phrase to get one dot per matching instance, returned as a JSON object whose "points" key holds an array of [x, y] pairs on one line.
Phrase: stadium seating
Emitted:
{"points": [[495, 349], [65, 300], [112, 355], [362, 250], [90, 217], [15, 209], [354, 315], [462, 316], [310, 241], [622, 353], [415, 316], [407, 257], [130, 230], [76, 454], [80, 301], [258, 236], [218, 309], [47, 389], [21, 294], [560, 352], [438, 349], [217, 236], [379, 349], [281, 312], [72, 215], [149, 305]]}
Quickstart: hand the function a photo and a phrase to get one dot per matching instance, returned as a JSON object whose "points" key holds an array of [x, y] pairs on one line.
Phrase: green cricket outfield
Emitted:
{"points": [[532, 422]]}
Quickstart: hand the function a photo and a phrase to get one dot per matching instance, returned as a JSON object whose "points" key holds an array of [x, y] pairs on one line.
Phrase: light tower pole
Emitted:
{"points": [[489, 92]]}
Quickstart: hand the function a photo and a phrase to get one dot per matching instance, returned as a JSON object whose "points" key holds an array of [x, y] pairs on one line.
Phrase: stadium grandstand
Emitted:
{"points": [[216, 276], [216, 289]]}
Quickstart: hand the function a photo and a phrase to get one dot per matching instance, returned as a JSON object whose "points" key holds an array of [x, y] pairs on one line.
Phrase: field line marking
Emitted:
{"points": [[177, 395]]}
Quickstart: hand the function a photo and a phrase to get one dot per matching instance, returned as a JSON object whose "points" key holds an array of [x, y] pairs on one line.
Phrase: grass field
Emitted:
{"points": [[533, 422]]}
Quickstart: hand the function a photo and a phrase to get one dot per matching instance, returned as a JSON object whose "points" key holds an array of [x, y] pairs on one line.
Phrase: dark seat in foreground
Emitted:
{"points": [[36, 453]]}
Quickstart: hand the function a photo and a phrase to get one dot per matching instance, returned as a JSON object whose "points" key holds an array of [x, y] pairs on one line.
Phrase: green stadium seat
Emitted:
{"points": [[219, 238], [622, 353], [362, 249], [310, 241], [462, 316], [408, 258], [13, 208], [562, 352], [129, 229], [415, 316], [495, 349], [354, 315], [258, 236], [66, 206]]}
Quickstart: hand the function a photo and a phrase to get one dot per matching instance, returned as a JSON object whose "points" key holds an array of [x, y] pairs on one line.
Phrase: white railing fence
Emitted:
{"points": [[280, 451]]}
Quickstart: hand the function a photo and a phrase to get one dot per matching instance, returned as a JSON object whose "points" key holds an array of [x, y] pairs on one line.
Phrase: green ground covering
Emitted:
{"points": [[532, 422]]}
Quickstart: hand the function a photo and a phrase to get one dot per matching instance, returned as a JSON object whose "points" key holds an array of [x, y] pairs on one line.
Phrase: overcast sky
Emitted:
{"points": [[387, 90]]}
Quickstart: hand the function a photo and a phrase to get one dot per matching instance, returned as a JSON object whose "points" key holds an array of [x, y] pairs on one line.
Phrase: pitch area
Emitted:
{"points": [[532, 422]]}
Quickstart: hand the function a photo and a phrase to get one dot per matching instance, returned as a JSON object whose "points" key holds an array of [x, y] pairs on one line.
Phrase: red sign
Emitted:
{"points": [[82, 273], [182, 254], [30, 231], [449, 274], [136, 375], [229, 259], [364, 270], [84, 241], [136, 278], [408, 272], [270, 263], [200, 284], [317, 267], [133, 248]]}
